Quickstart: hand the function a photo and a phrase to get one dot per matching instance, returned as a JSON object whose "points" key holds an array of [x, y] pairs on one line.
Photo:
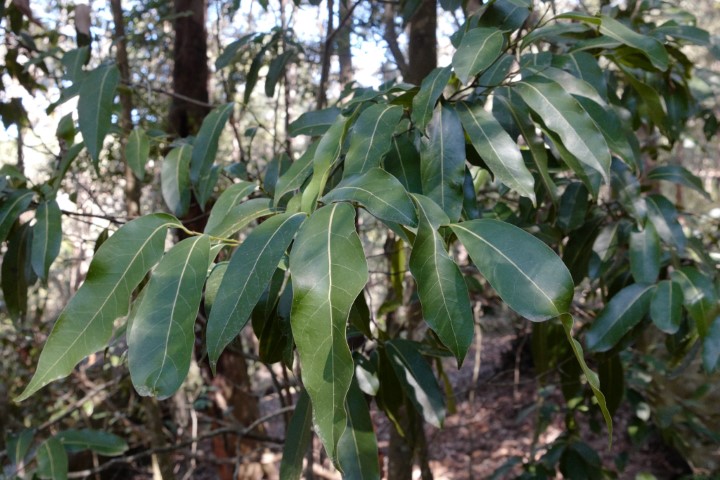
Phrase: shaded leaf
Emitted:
{"points": [[276, 70], [137, 151], [711, 347], [624, 310], [240, 216], [231, 50], [648, 46], [403, 161], [95, 107], [430, 91], [478, 49], [52, 460], [371, 138], [11, 208], [664, 217], [573, 207], [206, 143], [645, 254], [666, 306], [226, 202], [357, 449], [297, 439], [296, 174], [680, 175], [314, 123], [213, 284], [175, 179], [17, 271], [103, 443], [700, 298], [47, 236]]}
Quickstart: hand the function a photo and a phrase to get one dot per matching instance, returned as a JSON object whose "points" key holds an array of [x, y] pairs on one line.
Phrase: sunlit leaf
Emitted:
{"points": [[479, 48]]}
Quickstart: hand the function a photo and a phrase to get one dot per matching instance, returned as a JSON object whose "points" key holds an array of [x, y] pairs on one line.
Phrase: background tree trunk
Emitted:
{"points": [[422, 47]]}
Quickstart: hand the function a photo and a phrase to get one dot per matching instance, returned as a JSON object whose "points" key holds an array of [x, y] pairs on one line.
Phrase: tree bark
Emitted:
{"points": [[344, 49], [326, 56], [422, 47]]}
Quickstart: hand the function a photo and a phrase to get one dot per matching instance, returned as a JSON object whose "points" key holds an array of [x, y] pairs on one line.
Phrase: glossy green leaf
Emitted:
{"points": [[296, 174], [440, 283], [591, 377], [403, 161], [206, 143], [86, 323], [506, 15], [679, 175], [573, 207], [612, 129], [248, 275], [478, 49], [228, 200], [711, 347], [380, 193], [47, 237], [11, 208], [103, 443], [95, 107], [442, 161], [655, 106], [137, 151], [624, 310], [562, 114], [212, 285], [525, 272], [575, 86], [329, 270], [417, 380], [297, 439], [584, 65], [430, 91], [666, 306], [498, 72], [161, 340], [645, 254], [498, 150], [357, 449], [17, 272], [326, 157], [276, 70], [664, 217], [175, 179], [52, 460], [648, 46], [240, 216], [700, 297], [371, 138], [314, 123]]}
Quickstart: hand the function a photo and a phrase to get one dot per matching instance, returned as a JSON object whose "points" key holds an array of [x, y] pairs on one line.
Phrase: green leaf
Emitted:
{"points": [[478, 49], [228, 200], [664, 217], [699, 295], [525, 272], [103, 443], [328, 269], [73, 61], [296, 174], [240, 216], [711, 347], [86, 323], [645, 254], [11, 208], [680, 175], [18, 445], [52, 460], [137, 151], [648, 46], [624, 310], [326, 156], [612, 129], [175, 179], [573, 207], [562, 114], [17, 273], [47, 237], [95, 107], [160, 343], [251, 77], [442, 161], [403, 161], [689, 33], [231, 50], [440, 283], [498, 72], [297, 439], [498, 150], [430, 91], [591, 377], [276, 69], [206, 143], [357, 449], [575, 86], [248, 275], [314, 123], [212, 285], [380, 193], [417, 380], [666, 306], [371, 138]]}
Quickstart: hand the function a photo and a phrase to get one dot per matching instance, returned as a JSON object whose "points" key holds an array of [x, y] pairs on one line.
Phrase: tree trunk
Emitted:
{"points": [[326, 56], [422, 48], [343, 44]]}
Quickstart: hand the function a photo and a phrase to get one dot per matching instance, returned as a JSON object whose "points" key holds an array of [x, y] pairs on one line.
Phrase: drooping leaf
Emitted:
{"points": [[206, 143], [380, 193], [248, 275], [525, 272], [240, 216], [251, 77], [430, 91], [357, 449], [275, 71], [86, 323], [137, 151], [326, 157], [563, 115], [648, 46], [624, 310], [103, 443], [17, 271], [371, 138], [479, 48], [229, 199], [417, 380], [680, 175], [314, 123], [498, 150], [212, 285], [52, 460], [403, 161], [297, 439], [666, 306], [95, 107], [442, 161], [592, 378], [47, 237], [161, 340], [329, 270], [441, 286], [11, 208], [175, 179], [645, 254]]}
